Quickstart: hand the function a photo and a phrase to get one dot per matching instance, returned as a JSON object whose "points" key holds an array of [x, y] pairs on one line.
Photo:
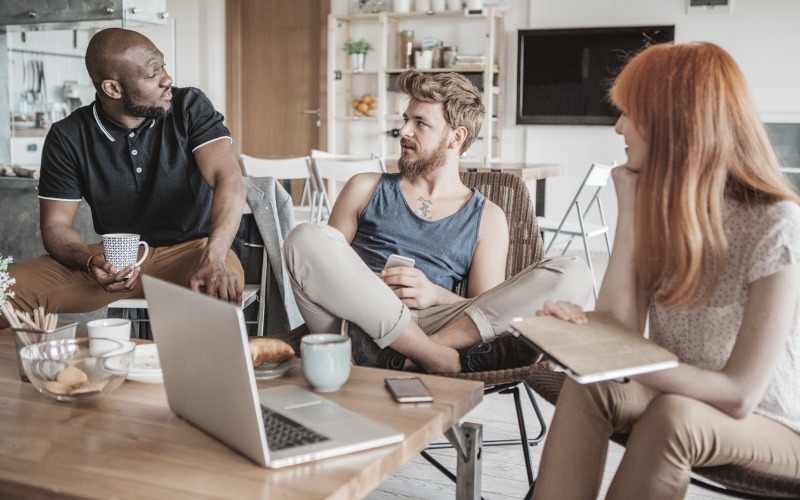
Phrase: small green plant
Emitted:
{"points": [[357, 47]]}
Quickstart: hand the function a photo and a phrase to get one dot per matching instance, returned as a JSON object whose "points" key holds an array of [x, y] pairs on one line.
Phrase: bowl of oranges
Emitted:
{"points": [[364, 106]]}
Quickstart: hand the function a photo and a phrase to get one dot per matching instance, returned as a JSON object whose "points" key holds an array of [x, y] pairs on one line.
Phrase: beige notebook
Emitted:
{"points": [[600, 349]]}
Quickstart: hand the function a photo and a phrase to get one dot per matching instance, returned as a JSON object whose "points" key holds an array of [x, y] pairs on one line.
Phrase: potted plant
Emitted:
{"points": [[358, 51]]}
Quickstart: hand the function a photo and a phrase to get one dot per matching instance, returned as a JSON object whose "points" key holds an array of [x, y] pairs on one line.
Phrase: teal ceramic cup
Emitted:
{"points": [[325, 361]]}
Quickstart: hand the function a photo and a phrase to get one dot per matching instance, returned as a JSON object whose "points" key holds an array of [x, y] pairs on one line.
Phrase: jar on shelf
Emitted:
{"points": [[449, 56], [405, 49]]}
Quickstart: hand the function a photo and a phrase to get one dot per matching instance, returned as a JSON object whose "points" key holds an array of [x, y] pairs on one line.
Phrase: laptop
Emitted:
{"points": [[210, 383], [601, 349]]}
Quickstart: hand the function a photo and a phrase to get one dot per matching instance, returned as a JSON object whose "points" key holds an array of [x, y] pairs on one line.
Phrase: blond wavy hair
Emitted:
{"points": [[463, 106], [706, 142]]}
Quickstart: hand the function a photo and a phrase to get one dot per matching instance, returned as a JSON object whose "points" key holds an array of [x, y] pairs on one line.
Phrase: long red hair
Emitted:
{"points": [[706, 141]]}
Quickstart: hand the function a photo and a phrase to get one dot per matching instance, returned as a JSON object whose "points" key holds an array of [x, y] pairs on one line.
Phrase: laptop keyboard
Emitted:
{"points": [[283, 433]]}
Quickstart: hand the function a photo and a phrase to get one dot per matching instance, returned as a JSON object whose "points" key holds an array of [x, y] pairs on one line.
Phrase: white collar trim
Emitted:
{"points": [[100, 124]]}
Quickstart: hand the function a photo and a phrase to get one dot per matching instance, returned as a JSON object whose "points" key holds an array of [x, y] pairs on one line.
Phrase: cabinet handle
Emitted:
{"points": [[32, 14]]}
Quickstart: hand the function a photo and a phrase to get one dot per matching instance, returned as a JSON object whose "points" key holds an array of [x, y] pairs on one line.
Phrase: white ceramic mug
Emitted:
{"points": [[423, 59], [455, 4], [474, 4], [422, 5], [110, 328], [325, 360], [401, 5], [121, 249], [438, 5]]}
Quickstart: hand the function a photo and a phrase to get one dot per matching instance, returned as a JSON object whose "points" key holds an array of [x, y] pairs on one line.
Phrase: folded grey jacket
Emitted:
{"points": [[273, 214]]}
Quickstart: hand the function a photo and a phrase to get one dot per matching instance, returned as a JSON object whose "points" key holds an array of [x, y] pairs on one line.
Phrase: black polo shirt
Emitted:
{"points": [[142, 180]]}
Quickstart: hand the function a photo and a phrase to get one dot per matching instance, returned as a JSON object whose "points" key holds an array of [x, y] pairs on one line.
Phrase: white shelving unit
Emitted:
{"points": [[473, 33]]}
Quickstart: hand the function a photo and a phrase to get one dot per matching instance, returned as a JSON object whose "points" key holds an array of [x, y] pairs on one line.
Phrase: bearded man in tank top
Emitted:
{"points": [[409, 317]]}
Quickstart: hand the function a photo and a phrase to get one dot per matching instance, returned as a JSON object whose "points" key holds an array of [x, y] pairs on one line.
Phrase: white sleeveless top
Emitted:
{"points": [[762, 240]]}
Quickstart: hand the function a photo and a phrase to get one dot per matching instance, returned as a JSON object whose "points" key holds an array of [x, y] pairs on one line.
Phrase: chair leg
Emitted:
{"points": [[591, 267], [263, 298]]}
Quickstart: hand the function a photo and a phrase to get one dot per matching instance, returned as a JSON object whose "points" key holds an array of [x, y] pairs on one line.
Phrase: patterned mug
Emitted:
{"points": [[121, 249]]}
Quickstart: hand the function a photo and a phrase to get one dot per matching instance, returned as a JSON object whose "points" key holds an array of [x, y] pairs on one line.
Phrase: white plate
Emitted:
{"points": [[145, 359], [146, 366], [147, 379], [266, 372]]}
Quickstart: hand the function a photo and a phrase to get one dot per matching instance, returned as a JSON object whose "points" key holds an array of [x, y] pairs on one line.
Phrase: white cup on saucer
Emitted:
{"points": [[110, 328]]}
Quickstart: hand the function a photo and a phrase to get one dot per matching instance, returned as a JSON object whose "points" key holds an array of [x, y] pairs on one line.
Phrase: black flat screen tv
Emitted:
{"points": [[564, 74]]}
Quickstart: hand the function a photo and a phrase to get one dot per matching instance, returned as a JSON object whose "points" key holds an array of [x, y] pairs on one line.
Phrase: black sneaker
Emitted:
{"points": [[367, 353], [502, 353]]}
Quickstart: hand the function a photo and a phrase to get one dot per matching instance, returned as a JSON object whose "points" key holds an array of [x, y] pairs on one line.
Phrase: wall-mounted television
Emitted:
{"points": [[563, 75]]}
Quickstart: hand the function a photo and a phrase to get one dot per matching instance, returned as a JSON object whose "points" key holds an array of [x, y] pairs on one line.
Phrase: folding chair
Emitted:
{"points": [[338, 170], [323, 198], [596, 178], [290, 169]]}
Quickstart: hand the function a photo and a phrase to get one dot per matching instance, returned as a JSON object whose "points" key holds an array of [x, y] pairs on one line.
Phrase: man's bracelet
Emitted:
{"points": [[89, 264]]}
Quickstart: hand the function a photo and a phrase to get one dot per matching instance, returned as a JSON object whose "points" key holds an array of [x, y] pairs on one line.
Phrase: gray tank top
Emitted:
{"points": [[442, 249]]}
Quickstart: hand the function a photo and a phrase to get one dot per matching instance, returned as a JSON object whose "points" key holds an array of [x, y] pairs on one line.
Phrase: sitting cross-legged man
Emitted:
{"points": [[408, 317]]}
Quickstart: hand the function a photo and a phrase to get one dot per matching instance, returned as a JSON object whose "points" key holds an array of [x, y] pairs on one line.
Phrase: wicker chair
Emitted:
{"points": [[736, 481], [510, 193]]}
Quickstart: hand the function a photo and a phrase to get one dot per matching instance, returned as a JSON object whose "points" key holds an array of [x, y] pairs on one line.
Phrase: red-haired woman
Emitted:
{"points": [[707, 249]]}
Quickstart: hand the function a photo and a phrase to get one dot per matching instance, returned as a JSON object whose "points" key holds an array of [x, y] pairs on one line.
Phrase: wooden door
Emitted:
{"points": [[276, 66]]}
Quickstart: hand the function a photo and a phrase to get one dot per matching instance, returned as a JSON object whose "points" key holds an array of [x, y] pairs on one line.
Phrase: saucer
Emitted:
{"points": [[270, 371], [146, 366]]}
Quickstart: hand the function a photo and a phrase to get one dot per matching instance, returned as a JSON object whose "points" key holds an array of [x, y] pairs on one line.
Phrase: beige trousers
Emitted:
{"points": [[44, 281], [669, 434], [332, 283]]}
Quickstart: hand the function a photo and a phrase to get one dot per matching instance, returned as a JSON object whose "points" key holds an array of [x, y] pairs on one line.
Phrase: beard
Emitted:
{"points": [[141, 110], [424, 164]]}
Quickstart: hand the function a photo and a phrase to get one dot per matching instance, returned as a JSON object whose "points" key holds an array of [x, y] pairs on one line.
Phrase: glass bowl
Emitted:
{"points": [[77, 369]]}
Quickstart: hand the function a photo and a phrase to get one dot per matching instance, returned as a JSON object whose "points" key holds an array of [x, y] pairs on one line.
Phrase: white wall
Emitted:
{"points": [[761, 35], [196, 31]]}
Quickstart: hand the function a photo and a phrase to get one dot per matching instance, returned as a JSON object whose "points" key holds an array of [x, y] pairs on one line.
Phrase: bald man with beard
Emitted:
{"points": [[149, 159]]}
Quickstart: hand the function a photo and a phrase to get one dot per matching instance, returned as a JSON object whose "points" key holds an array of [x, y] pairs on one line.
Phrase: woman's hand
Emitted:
{"points": [[564, 310], [625, 180]]}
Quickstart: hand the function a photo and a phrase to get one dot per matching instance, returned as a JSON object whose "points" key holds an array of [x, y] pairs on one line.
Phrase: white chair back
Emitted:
{"points": [[334, 171], [343, 170], [287, 169], [599, 174], [317, 153]]}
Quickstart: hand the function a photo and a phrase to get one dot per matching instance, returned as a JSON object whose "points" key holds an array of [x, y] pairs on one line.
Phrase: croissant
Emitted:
{"points": [[269, 351]]}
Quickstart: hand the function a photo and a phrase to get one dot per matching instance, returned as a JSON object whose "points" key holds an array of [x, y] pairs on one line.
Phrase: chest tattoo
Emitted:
{"points": [[424, 209]]}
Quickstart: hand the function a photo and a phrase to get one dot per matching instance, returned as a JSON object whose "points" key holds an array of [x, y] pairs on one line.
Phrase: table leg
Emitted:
{"points": [[467, 439], [540, 185]]}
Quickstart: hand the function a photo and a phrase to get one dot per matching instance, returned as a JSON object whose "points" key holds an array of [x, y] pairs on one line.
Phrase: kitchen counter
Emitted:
{"points": [[18, 183]]}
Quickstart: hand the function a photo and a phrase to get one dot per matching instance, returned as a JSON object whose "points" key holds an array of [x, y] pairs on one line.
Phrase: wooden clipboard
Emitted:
{"points": [[600, 349]]}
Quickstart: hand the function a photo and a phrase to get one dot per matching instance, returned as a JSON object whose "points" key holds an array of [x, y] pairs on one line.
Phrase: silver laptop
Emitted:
{"points": [[600, 349], [209, 380]]}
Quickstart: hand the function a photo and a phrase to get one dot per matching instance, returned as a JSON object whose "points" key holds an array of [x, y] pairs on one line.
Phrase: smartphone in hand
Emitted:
{"points": [[408, 389], [395, 260]]}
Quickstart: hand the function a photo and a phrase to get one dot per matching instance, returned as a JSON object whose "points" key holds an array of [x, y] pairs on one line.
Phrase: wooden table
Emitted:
{"points": [[529, 172], [130, 445]]}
